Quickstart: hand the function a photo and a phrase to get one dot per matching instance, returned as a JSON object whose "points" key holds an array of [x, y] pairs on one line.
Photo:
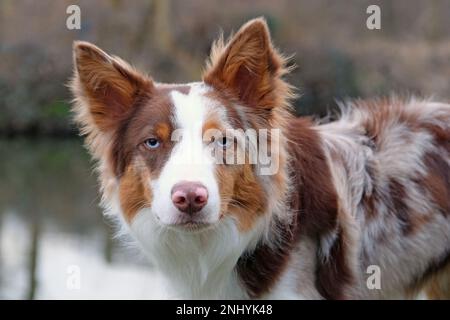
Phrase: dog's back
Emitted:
{"points": [[390, 163]]}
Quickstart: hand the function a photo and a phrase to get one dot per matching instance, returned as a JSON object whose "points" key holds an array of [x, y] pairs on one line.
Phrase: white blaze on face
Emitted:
{"points": [[190, 159]]}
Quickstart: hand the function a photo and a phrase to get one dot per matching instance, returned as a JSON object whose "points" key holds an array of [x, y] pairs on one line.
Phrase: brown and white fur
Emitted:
{"points": [[371, 188]]}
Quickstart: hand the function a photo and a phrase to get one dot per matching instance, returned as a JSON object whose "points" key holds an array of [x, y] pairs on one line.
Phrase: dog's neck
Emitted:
{"points": [[200, 265]]}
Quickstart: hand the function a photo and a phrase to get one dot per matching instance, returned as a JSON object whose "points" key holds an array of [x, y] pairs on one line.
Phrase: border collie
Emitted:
{"points": [[369, 191]]}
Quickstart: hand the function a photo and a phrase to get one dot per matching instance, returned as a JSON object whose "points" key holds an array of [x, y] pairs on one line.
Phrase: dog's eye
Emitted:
{"points": [[152, 143], [223, 142]]}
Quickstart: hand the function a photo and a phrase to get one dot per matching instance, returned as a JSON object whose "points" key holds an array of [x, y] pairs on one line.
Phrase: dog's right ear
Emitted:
{"points": [[105, 87]]}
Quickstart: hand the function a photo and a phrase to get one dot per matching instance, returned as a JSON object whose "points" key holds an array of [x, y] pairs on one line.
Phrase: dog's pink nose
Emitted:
{"points": [[189, 197]]}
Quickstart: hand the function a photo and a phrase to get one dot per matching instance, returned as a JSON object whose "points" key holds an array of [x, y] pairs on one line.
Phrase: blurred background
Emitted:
{"points": [[51, 228]]}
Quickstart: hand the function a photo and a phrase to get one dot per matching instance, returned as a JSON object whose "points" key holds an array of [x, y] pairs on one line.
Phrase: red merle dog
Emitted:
{"points": [[305, 220]]}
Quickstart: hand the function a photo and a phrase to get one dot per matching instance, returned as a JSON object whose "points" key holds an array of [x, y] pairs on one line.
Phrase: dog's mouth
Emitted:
{"points": [[192, 226], [190, 223]]}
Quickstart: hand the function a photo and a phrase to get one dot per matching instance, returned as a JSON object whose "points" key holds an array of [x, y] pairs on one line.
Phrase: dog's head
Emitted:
{"points": [[164, 150]]}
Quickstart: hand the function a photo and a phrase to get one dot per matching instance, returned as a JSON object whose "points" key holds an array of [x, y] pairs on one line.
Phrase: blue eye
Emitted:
{"points": [[223, 142], [152, 143]]}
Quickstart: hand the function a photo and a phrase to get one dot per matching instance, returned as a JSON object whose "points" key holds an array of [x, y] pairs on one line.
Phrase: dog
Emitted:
{"points": [[355, 208]]}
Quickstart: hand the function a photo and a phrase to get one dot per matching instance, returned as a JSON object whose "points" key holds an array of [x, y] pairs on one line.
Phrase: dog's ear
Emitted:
{"points": [[105, 87], [248, 66]]}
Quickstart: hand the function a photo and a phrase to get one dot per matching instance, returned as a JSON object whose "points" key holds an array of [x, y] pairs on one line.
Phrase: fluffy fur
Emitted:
{"points": [[371, 188]]}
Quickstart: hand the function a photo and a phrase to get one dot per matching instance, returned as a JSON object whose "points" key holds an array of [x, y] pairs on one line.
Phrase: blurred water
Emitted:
{"points": [[54, 242]]}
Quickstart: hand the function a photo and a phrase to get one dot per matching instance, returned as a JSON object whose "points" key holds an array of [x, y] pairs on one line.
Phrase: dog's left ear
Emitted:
{"points": [[249, 67]]}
